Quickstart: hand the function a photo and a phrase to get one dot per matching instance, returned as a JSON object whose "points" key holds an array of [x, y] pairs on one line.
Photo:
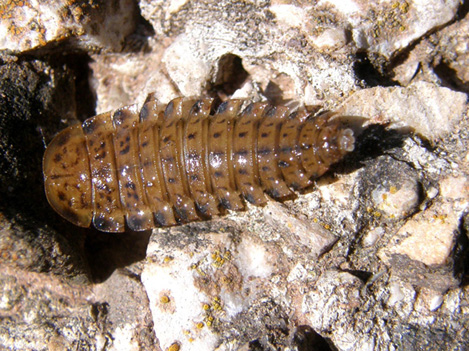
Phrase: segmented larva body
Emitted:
{"points": [[180, 162]]}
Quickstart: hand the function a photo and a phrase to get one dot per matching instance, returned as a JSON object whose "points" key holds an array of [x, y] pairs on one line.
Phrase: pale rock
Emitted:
{"points": [[288, 14], [27, 25], [389, 26], [372, 236], [192, 286], [422, 106], [401, 297], [430, 299], [428, 238], [312, 236], [185, 68], [334, 294]]}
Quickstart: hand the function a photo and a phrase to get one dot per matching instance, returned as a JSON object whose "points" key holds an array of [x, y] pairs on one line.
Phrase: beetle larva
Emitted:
{"points": [[179, 163]]}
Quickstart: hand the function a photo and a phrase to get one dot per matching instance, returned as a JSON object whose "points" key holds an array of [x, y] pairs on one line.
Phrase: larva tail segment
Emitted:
{"points": [[67, 180]]}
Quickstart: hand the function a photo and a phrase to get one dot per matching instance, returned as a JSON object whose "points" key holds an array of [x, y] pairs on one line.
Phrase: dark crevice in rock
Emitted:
{"points": [[105, 252], [230, 75], [370, 73], [307, 339], [449, 77]]}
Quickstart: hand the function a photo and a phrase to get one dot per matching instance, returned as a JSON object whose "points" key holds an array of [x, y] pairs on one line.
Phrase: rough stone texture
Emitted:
{"points": [[421, 106], [28, 24], [373, 257]]}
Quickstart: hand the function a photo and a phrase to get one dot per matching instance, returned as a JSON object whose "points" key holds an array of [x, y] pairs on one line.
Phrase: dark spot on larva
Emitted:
{"points": [[135, 222], [284, 135], [182, 214], [225, 203], [222, 107], [193, 156], [265, 135], [197, 107], [264, 152], [144, 144], [125, 150], [108, 199], [89, 126], [283, 164], [144, 113], [63, 139], [100, 156], [130, 185], [102, 223], [169, 159], [286, 150], [127, 138], [202, 208], [250, 198], [294, 186], [169, 109], [194, 178], [70, 215], [61, 196], [242, 135], [216, 135], [218, 174], [274, 193], [121, 143], [171, 180], [118, 117], [265, 168], [160, 218], [217, 154], [191, 136], [242, 171], [57, 158], [271, 111], [248, 109], [242, 153], [166, 139]]}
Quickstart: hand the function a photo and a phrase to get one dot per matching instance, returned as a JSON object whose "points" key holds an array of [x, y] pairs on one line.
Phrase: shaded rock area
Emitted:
{"points": [[372, 257]]}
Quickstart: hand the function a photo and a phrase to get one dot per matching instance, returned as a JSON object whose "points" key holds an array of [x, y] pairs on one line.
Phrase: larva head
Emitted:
{"points": [[67, 180], [324, 141], [335, 141]]}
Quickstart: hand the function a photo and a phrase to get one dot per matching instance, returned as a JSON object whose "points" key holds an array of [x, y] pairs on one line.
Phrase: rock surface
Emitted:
{"points": [[372, 257]]}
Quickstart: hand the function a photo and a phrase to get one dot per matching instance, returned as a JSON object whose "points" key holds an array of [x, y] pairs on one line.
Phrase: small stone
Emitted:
{"points": [[373, 236], [334, 294], [397, 202]]}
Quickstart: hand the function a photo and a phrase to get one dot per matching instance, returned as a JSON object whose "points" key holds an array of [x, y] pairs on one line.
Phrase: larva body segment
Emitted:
{"points": [[165, 165]]}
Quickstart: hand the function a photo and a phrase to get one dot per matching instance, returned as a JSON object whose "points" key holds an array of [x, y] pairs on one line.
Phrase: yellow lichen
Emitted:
{"points": [[174, 347]]}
